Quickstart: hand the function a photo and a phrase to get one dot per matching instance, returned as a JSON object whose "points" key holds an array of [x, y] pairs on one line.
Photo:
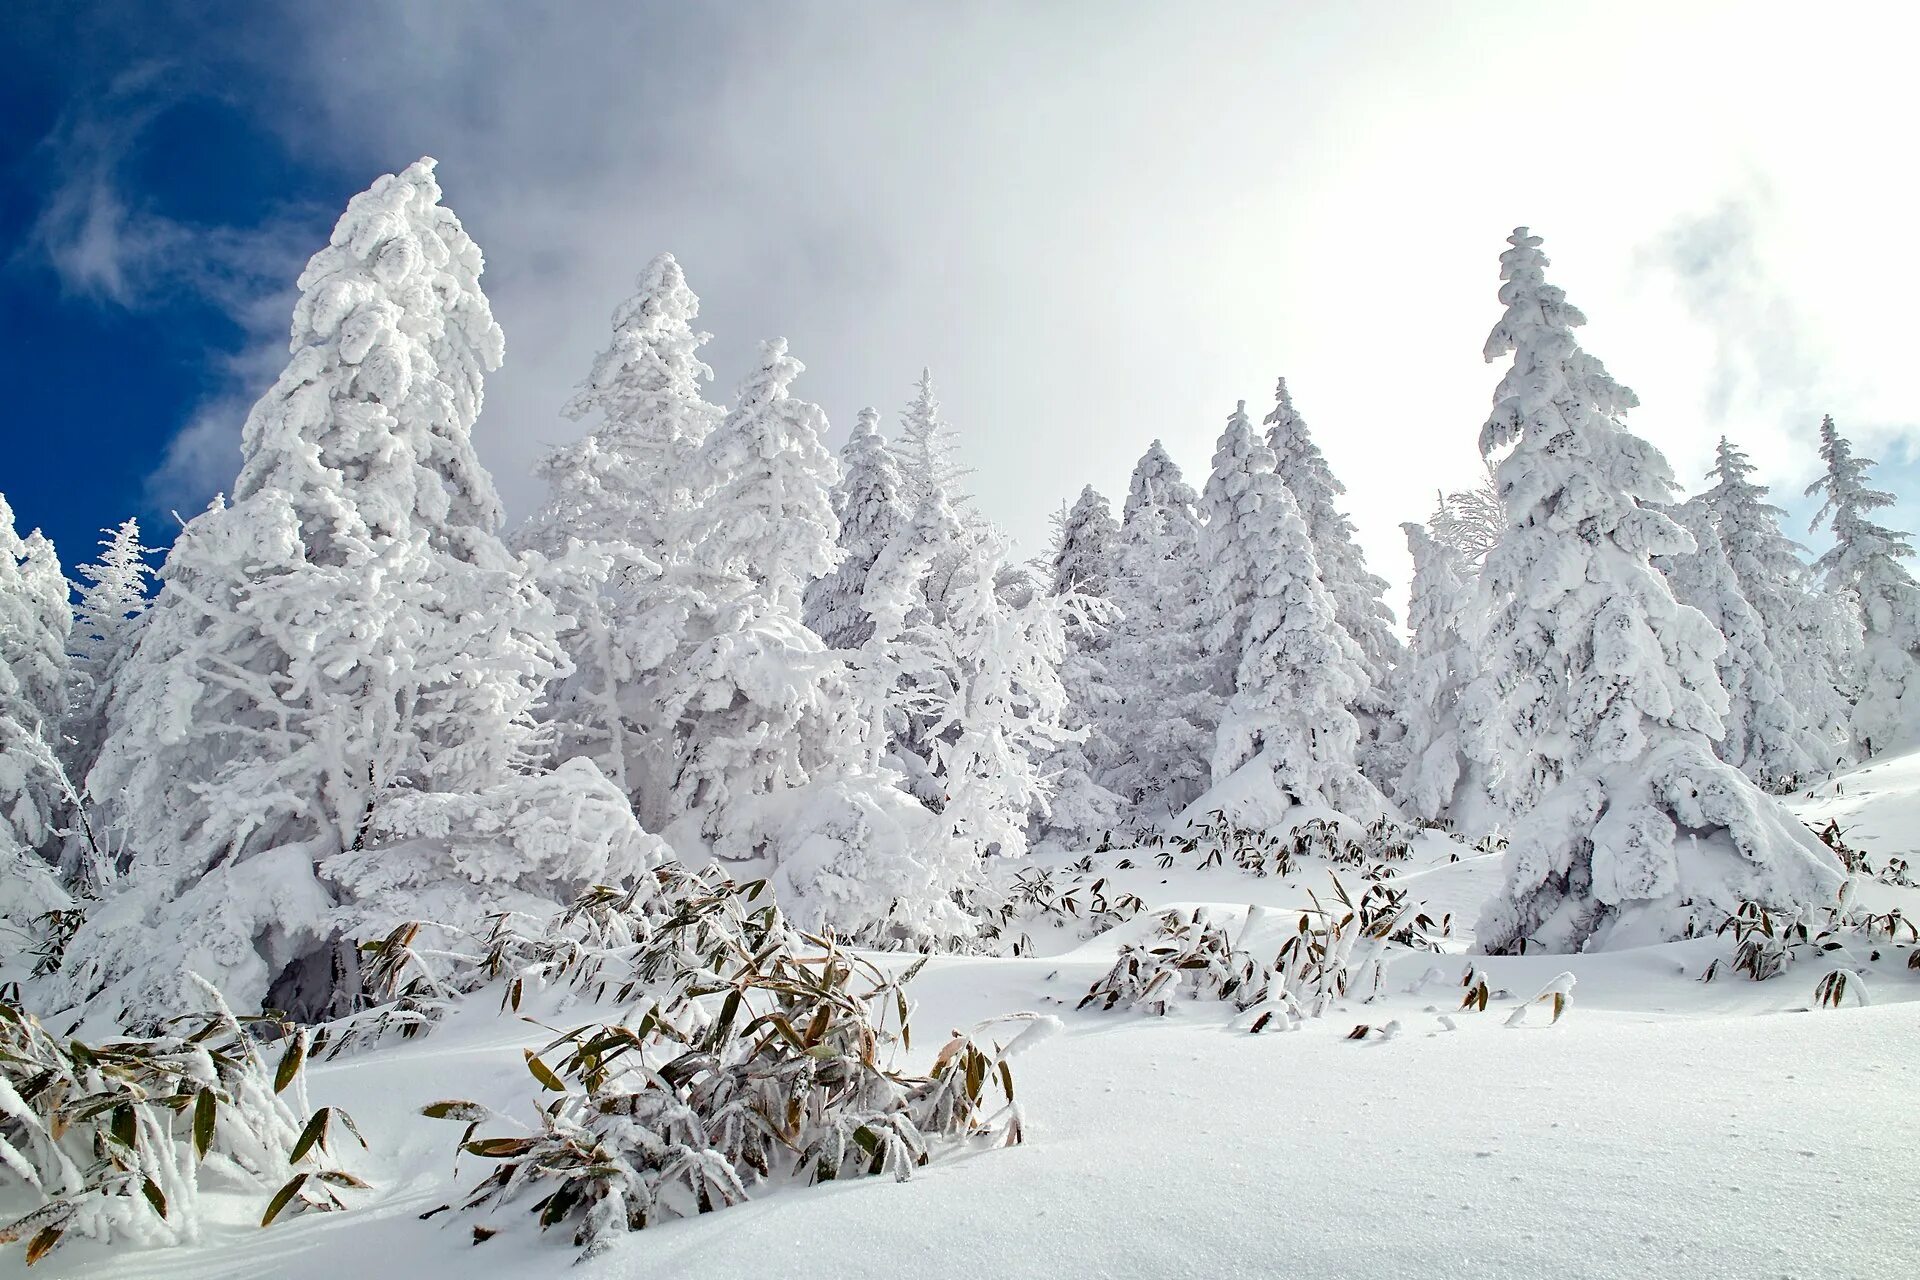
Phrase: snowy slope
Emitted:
{"points": [[1664, 1127]]}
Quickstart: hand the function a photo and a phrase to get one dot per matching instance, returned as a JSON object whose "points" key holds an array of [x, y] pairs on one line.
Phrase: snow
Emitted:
{"points": [[1661, 1126]]}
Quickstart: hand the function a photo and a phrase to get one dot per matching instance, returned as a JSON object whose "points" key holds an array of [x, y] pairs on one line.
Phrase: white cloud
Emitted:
{"points": [[1100, 224]]}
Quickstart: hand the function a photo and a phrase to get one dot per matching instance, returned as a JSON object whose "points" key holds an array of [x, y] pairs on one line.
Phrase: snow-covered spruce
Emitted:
{"points": [[1811, 632], [1762, 733], [1164, 709], [1359, 596], [106, 622], [1597, 698], [348, 631], [615, 513], [870, 500], [1084, 565], [1295, 673], [1437, 782], [35, 797], [1469, 522], [1866, 560]]}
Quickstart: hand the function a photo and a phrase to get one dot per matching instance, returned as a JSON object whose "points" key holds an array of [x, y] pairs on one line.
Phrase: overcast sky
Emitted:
{"points": [[1096, 223]]}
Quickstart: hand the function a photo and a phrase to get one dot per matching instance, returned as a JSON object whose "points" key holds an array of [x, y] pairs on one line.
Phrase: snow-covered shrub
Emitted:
{"points": [[1034, 895], [756, 1053], [1333, 953], [115, 1138], [1189, 953], [1767, 941]]}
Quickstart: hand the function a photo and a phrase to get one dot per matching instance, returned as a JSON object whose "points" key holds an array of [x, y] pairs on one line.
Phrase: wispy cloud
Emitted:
{"points": [[107, 243]]}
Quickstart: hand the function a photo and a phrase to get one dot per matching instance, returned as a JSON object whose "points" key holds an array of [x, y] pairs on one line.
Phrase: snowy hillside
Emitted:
{"points": [[390, 882], [1663, 1125]]}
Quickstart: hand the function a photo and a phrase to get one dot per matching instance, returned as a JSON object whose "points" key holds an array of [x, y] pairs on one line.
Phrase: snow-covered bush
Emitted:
{"points": [[1188, 953], [1333, 953], [115, 1138], [1767, 941], [754, 1053]]}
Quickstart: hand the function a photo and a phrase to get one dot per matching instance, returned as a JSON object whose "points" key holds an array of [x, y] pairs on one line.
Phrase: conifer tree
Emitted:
{"points": [[929, 455], [1762, 733], [113, 602], [1597, 699], [1436, 783], [754, 696], [626, 482], [1867, 560], [870, 503], [1805, 627], [34, 797], [1359, 597], [1164, 710], [617, 506], [1295, 671], [347, 636], [1083, 568]]}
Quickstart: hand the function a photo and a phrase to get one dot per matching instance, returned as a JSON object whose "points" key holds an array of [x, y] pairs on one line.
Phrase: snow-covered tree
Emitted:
{"points": [[1296, 672], [1164, 709], [1469, 522], [1867, 559], [1762, 731], [870, 502], [1082, 571], [756, 699], [1359, 597], [106, 623], [617, 504], [1805, 627], [35, 619], [1598, 699], [349, 632], [626, 481], [1436, 782], [928, 451]]}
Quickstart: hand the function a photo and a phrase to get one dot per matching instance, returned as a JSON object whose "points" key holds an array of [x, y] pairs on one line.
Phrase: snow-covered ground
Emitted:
{"points": [[1664, 1126]]}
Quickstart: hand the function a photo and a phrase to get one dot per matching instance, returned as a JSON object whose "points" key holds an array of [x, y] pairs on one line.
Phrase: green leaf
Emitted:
{"points": [[543, 1073], [205, 1107], [290, 1063], [315, 1132], [151, 1190], [124, 1127], [283, 1197]]}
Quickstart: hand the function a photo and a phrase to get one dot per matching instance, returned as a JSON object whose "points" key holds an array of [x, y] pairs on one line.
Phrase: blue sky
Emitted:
{"points": [[1097, 223]]}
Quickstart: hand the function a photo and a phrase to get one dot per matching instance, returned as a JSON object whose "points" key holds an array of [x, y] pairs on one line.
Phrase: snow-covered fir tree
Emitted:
{"points": [[929, 455], [871, 504], [106, 622], [1806, 628], [1762, 732], [627, 480], [1359, 597], [1437, 782], [1469, 522], [35, 620], [1083, 568], [1597, 698], [1868, 560], [755, 697], [617, 504], [348, 635], [1164, 709], [1296, 673]]}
